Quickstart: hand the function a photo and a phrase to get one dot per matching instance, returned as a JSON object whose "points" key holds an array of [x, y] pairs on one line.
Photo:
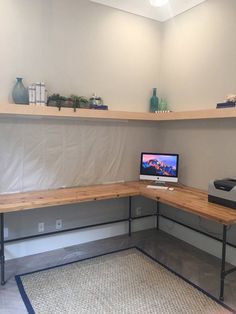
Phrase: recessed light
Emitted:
{"points": [[158, 3]]}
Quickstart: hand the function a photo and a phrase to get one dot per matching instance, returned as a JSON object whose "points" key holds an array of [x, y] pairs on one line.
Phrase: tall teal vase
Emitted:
{"points": [[20, 93], [154, 101]]}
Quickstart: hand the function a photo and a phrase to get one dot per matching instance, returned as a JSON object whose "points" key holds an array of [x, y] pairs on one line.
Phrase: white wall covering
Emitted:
{"points": [[42, 154], [38, 154]]}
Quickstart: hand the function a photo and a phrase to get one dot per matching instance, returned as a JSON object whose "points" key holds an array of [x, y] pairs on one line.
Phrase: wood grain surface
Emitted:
{"points": [[185, 198], [39, 199], [68, 113], [192, 200]]}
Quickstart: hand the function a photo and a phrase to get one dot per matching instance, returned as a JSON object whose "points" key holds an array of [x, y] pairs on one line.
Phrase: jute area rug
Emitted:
{"points": [[127, 281]]}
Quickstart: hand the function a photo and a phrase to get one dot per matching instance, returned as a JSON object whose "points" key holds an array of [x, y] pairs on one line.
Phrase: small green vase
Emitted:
{"points": [[20, 93], [154, 101]]}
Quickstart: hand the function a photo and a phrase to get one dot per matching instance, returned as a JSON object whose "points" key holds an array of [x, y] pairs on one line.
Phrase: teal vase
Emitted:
{"points": [[20, 93], [154, 101]]}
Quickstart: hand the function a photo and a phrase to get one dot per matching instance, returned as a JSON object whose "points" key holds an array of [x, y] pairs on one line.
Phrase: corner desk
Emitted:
{"points": [[182, 197]]}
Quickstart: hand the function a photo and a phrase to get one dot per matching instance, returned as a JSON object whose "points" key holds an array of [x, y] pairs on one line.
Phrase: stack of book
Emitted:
{"points": [[228, 104], [37, 94]]}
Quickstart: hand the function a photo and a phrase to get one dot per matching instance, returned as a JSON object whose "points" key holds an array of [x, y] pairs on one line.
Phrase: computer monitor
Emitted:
{"points": [[159, 167]]}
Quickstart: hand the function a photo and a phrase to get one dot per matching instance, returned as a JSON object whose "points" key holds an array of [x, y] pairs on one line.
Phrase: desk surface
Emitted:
{"points": [[38, 199], [194, 201], [185, 198]]}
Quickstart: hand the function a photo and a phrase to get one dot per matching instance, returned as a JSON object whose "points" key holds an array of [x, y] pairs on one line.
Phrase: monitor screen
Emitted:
{"points": [[159, 167]]}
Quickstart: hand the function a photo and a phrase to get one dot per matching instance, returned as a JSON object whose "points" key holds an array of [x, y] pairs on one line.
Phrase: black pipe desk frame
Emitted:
{"points": [[3, 241], [184, 198]]}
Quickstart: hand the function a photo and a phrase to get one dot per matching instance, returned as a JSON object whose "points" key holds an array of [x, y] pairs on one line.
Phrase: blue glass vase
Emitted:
{"points": [[20, 93], [154, 101]]}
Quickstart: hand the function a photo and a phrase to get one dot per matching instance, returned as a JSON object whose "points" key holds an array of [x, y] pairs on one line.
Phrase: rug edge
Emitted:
{"points": [[21, 287], [188, 281], [31, 310], [24, 296]]}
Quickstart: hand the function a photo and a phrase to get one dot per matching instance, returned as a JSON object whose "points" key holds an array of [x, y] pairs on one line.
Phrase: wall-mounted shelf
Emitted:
{"points": [[68, 113]]}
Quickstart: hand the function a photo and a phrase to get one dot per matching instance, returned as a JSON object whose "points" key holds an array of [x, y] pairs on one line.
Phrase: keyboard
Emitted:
{"points": [[158, 187]]}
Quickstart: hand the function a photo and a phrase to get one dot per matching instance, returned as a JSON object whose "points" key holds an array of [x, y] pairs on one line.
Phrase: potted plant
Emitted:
{"points": [[56, 100], [79, 102]]}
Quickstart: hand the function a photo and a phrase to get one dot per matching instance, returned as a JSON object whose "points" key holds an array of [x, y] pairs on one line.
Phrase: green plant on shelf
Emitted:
{"points": [[56, 100], [79, 102]]}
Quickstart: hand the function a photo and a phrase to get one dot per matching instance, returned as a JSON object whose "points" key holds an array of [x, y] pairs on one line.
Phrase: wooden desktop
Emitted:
{"points": [[185, 198]]}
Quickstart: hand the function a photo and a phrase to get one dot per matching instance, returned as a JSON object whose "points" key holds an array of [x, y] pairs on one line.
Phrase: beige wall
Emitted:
{"points": [[207, 149], [199, 56], [80, 47], [198, 69]]}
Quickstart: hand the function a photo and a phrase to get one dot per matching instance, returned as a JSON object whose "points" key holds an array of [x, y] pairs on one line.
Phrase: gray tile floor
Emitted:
{"points": [[192, 263]]}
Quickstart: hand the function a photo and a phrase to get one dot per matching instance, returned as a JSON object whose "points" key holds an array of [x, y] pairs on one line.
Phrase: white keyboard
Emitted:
{"points": [[158, 187]]}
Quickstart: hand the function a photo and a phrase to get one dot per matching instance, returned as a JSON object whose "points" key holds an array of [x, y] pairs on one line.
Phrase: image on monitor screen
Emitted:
{"points": [[154, 165]]}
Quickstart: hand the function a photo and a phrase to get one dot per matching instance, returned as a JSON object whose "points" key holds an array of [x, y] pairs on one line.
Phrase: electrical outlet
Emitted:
{"points": [[41, 227], [58, 224], [6, 233], [138, 211]]}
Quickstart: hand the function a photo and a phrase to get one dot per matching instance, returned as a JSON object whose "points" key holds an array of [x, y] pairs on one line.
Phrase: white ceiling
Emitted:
{"points": [[143, 7]]}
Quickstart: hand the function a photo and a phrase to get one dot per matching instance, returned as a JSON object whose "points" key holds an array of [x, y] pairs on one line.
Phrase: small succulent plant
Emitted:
{"points": [[61, 101], [56, 100], [78, 101]]}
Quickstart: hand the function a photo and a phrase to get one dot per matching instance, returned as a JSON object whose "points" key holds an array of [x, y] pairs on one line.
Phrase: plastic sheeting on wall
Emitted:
{"points": [[40, 154]]}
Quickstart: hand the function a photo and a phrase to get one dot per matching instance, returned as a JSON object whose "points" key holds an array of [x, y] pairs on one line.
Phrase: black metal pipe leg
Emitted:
{"points": [[2, 257], [157, 215], [3, 271], [222, 274], [130, 215]]}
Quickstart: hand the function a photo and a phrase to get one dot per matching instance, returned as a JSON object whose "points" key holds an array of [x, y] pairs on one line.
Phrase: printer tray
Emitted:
{"points": [[222, 201]]}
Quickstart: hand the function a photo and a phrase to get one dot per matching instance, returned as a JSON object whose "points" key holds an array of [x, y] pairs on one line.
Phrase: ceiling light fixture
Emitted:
{"points": [[158, 3]]}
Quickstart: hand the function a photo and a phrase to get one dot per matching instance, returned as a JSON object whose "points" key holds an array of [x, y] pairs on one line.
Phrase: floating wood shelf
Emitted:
{"points": [[68, 113]]}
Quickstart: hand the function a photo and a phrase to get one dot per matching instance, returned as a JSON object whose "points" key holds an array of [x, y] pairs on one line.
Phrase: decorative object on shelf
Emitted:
{"points": [[37, 94], [162, 106], [154, 101], [230, 102], [68, 103], [56, 100], [32, 94], [74, 101], [226, 105], [100, 107], [79, 102], [231, 98], [20, 93], [97, 103]]}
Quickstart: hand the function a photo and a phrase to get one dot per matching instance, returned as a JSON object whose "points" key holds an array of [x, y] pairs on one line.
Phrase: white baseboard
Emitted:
{"points": [[61, 240], [197, 239]]}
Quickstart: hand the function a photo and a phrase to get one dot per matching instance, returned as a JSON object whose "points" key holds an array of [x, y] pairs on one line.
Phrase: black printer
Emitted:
{"points": [[223, 192]]}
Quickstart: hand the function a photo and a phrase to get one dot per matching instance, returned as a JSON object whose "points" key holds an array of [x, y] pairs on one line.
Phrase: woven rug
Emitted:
{"points": [[127, 281]]}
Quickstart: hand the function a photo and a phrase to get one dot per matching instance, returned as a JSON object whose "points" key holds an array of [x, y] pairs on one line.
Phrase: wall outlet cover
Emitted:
{"points": [[138, 211], [6, 232], [41, 227], [58, 224]]}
